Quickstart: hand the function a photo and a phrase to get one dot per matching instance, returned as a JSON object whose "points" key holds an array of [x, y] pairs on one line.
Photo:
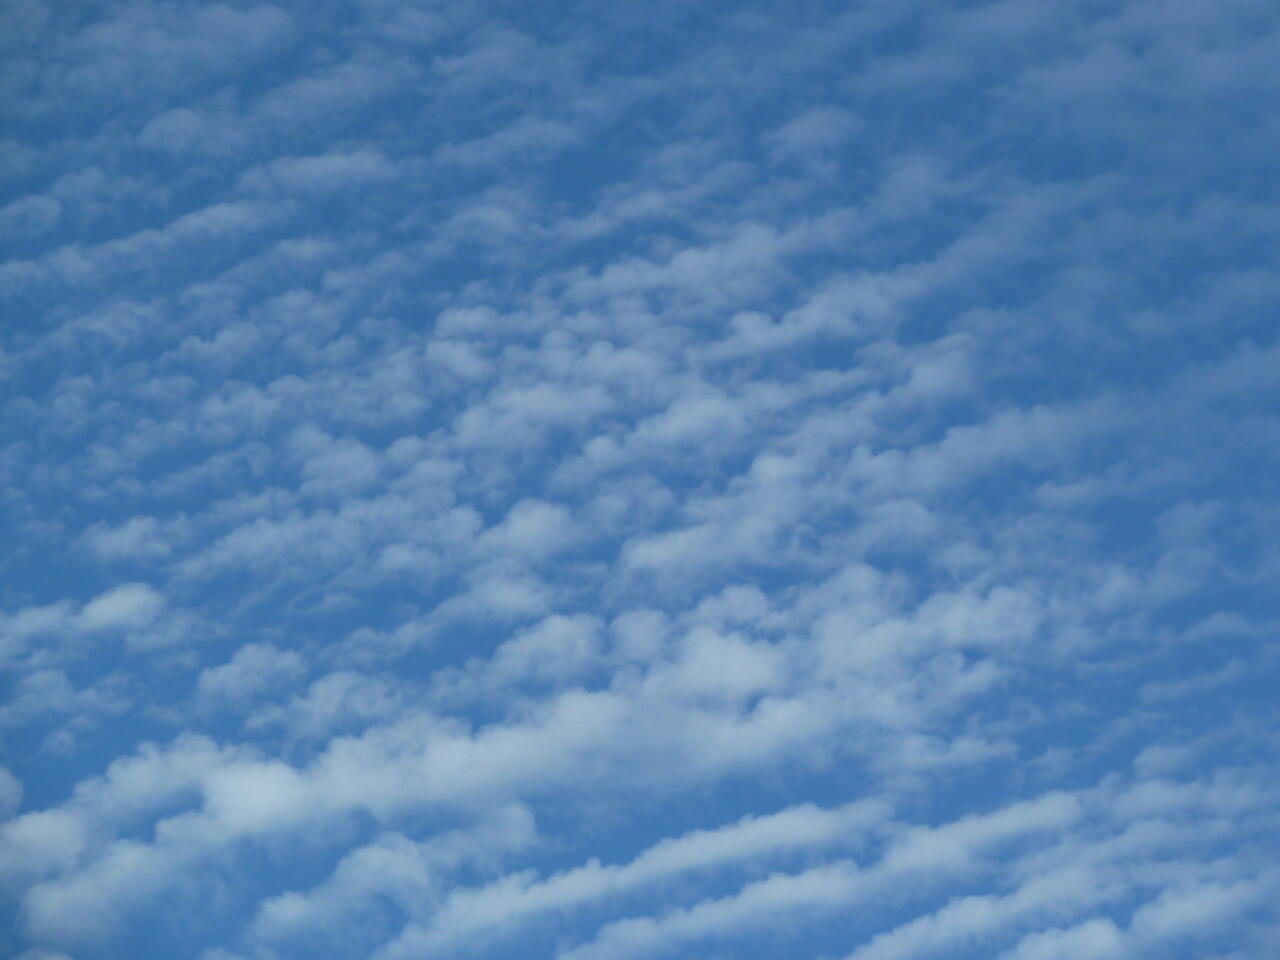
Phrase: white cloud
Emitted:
{"points": [[136, 537], [1097, 939], [530, 528], [10, 794], [756, 907], [336, 700], [631, 424], [413, 874], [130, 605], [256, 668], [813, 132], [328, 173], [38, 843], [174, 130], [29, 217], [499, 910]]}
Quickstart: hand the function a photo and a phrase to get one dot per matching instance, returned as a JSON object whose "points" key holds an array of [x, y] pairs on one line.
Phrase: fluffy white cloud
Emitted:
{"points": [[130, 605], [255, 669]]}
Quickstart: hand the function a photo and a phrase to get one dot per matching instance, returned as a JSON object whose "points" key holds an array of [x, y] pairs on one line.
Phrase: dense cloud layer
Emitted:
{"points": [[666, 480]]}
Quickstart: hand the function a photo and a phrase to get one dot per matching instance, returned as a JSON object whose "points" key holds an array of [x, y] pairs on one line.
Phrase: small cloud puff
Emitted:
{"points": [[813, 133], [127, 606], [255, 669], [10, 794]]}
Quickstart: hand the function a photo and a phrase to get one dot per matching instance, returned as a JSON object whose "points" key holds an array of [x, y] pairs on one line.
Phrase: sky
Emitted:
{"points": [[595, 481]]}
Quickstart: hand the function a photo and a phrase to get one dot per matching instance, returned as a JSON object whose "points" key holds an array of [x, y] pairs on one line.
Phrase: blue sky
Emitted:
{"points": [[593, 481]]}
